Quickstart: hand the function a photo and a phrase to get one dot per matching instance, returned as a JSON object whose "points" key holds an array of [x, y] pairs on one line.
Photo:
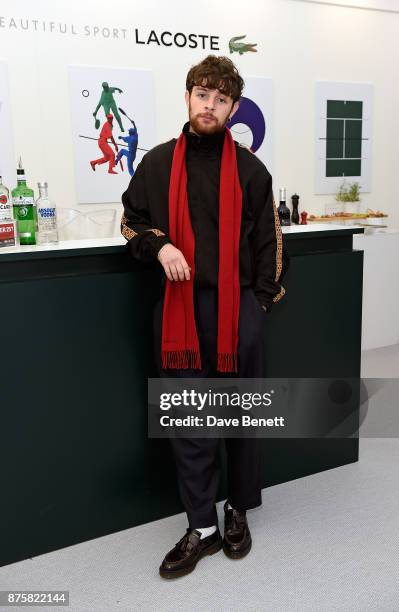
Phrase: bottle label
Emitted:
{"points": [[22, 200], [7, 234], [5, 207], [46, 213], [25, 212], [47, 223]]}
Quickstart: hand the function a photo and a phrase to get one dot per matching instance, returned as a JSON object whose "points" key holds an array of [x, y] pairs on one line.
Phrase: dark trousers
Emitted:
{"points": [[197, 459]]}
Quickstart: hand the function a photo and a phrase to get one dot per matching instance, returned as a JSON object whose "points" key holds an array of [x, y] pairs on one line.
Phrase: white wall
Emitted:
{"points": [[298, 43]]}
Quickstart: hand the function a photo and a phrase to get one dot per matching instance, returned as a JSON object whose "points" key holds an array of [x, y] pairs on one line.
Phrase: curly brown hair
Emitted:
{"points": [[216, 73]]}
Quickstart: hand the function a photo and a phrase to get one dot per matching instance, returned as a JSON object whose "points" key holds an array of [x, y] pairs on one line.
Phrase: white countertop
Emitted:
{"points": [[316, 227], [63, 245], [120, 241]]}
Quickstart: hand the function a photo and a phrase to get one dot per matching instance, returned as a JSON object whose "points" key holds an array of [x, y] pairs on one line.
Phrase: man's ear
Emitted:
{"points": [[187, 97], [234, 109]]}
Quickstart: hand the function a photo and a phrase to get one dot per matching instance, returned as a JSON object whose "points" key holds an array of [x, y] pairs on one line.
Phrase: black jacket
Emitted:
{"points": [[145, 219]]}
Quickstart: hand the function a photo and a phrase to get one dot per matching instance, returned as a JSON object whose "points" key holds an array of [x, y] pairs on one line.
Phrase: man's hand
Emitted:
{"points": [[173, 262]]}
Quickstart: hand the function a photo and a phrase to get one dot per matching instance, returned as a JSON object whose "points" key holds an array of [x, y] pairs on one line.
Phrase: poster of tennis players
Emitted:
{"points": [[113, 125]]}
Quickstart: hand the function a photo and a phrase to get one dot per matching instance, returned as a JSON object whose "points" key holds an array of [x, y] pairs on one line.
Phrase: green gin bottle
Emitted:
{"points": [[23, 202]]}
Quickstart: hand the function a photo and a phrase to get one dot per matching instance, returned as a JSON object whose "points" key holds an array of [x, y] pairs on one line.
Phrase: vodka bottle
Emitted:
{"points": [[46, 217]]}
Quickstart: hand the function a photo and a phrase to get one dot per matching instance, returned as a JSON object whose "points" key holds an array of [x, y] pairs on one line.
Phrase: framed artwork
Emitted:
{"points": [[113, 124], [343, 147]]}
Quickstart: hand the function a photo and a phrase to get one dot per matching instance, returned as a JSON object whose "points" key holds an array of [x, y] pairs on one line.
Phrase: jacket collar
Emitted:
{"points": [[205, 143]]}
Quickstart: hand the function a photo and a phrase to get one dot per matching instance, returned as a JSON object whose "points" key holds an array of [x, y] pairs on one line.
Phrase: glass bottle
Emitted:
{"points": [[46, 217], [283, 210], [5, 204], [24, 208]]}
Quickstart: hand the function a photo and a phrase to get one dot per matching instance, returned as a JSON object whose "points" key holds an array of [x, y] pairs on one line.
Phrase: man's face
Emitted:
{"points": [[209, 110]]}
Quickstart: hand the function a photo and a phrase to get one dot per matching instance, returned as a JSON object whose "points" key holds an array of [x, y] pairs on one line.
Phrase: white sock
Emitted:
{"points": [[206, 531]]}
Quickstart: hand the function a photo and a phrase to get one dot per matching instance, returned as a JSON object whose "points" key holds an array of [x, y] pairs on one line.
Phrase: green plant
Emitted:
{"points": [[348, 192]]}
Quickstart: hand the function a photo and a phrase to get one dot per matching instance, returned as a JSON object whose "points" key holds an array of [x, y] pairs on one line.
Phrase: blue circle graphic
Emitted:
{"points": [[250, 115]]}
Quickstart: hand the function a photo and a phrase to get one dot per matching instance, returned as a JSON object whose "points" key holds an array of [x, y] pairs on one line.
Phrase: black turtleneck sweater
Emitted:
{"points": [[262, 255]]}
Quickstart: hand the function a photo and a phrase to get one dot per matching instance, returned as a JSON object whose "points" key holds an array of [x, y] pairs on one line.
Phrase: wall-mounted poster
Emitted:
{"points": [[7, 159], [113, 122], [344, 113], [252, 124]]}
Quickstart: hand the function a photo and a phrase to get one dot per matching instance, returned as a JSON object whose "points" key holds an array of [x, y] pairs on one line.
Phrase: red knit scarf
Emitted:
{"points": [[180, 345]]}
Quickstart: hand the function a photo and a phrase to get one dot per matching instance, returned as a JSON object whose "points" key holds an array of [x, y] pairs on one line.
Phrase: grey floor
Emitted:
{"points": [[325, 543]]}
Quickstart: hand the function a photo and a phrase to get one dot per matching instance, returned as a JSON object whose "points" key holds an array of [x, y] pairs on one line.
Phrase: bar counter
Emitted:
{"points": [[76, 323]]}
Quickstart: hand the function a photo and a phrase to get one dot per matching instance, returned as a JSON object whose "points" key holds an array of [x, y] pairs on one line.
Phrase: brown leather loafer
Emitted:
{"points": [[183, 558], [237, 539]]}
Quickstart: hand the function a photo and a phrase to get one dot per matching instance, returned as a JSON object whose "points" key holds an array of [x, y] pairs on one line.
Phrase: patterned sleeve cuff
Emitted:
{"points": [[157, 241]]}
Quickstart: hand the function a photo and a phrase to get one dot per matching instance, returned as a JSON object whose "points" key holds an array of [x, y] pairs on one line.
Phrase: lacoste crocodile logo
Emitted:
{"points": [[241, 47]]}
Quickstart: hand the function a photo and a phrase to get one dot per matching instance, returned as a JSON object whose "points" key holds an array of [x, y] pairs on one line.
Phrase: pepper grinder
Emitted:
{"points": [[295, 214]]}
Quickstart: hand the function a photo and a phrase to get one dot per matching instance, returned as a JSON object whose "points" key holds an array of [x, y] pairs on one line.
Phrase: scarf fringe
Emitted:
{"points": [[188, 358], [227, 362]]}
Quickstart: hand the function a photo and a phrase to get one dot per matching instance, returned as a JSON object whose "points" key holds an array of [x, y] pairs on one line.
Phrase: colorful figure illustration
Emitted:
{"points": [[130, 153], [241, 47], [108, 103], [109, 155]]}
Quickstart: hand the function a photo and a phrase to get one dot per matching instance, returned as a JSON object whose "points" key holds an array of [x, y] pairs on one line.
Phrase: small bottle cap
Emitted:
{"points": [[42, 185]]}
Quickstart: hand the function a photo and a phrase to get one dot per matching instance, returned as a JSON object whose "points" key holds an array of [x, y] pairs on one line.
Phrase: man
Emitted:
{"points": [[203, 206]]}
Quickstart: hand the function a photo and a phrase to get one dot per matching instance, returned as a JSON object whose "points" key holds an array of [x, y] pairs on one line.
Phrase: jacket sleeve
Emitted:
{"points": [[270, 255], [143, 238]]}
